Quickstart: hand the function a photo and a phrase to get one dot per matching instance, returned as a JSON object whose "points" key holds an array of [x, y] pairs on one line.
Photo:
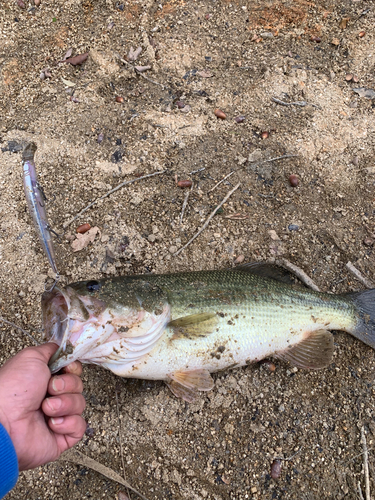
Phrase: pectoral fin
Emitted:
{"points": [[186, 384], [313, 353], [182, 392], [193, 326]]}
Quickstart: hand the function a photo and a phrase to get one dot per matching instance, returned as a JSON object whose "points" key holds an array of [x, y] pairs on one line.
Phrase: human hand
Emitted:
{"points": [[42, 414]]}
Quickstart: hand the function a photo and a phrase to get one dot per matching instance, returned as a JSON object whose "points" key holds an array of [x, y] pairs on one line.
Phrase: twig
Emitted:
{"points": [[365, 463], [79, 458], [360, 491], [296, 103], [300, 274], [124, 61], [365, 281], [207, 220], [184, 205], [196, 171], [222, 180], [278, 158], [109, 193], [119, 435], [2, 320], [289, 458]]}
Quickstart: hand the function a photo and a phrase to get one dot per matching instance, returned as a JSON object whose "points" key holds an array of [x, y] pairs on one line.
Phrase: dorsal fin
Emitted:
{"points": [[267, 270], [193, 326], [313, 353]]}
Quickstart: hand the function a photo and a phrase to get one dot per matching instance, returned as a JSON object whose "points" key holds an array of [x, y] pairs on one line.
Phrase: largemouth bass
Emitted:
{"points": [[181, 327]]}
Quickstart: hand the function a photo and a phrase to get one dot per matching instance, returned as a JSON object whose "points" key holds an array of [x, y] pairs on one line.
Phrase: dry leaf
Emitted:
{"points": [[82, 240], [344, 22], [67, 83], [77, 60], [237, 216], [205, 74], [68, 54], [134, 54]]}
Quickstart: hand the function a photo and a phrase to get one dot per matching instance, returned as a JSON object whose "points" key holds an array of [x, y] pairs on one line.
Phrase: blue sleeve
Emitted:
{"points": [[8, 463]]}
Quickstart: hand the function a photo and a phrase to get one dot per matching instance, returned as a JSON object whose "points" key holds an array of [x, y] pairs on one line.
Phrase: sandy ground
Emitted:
{"points": [[206, 54]]}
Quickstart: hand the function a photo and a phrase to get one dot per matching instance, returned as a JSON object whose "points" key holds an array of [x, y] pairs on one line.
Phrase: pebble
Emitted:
{"points": [[355, 161], [180, 104], [335, 41], [83, 228], [293, 227], [268, 364], [361, 34], [355, 79], [220, 114], [90, 432], [348, 77], [266, 34], [276, 469], [265, 134], [119, 99], [21, 4], [37, 2], [184, 184], [293, 180], [239, 259], [368, 242], [100, 138], [151, 238], [239, 119], [316, 39], [172, 249]]}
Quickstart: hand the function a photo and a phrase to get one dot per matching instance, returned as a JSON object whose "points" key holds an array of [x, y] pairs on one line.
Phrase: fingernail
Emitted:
{"points": [[57, 421], [58, 384], [73, 366], [54, 403]]}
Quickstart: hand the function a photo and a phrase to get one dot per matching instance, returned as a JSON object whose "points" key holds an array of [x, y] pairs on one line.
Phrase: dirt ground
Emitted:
{"points": [[203, 55]]}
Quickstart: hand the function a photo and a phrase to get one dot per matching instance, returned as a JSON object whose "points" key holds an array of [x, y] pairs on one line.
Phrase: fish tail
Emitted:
{"points": [[364, 303]]}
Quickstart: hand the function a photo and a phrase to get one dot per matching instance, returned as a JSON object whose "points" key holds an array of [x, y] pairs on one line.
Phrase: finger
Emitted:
{"points": [[66, 383], [44, 352], [66, 404], [69, 430], [75, 368]]}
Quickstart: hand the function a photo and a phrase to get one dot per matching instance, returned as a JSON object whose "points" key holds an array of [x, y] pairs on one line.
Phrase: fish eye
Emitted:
{"points": [[93, 286]]}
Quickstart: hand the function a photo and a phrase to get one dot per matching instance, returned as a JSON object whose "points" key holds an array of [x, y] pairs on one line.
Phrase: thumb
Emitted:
{"points": [[44, 352]]}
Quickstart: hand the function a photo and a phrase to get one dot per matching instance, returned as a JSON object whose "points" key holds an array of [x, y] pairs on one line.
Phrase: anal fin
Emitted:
{"points": [[189, 395], [312, 353], [193, 380]]}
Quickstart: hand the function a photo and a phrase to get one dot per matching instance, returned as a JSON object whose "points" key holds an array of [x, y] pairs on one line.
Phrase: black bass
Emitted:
{"points": [[180, 327]]}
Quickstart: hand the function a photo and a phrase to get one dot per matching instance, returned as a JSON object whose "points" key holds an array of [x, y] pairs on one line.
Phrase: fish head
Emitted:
{"points": [[91, 328]]}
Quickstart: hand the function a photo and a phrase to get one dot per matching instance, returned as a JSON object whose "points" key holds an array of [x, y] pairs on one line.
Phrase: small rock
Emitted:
{"points": [[119, 99], [361, 34], [100, 138], [220, 114], [21, 4], [273, 235], [335, 42], [316, 39], [293, 180], [276, 469], [180, 104], [239, 259], [348, 77], [172, 249], [37, 2], [368, 242], [355, 161], [184, 184], [265, 134], [151, 238], [266, 34], [355, 79], [239, 119], [293, 227], [83, 228]]}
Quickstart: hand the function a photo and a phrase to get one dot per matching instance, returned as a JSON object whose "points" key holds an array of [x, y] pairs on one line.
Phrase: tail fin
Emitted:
{"points": [[364, 302]]}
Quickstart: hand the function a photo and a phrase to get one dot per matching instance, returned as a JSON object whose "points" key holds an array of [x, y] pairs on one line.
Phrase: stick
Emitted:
{"points": [[296, 103], [2, 320], [124, 61], [222, 180], [184, 205], [109, 193], [300, 274], [119, 435], [365, 463], [278, 158], [79, 458], [365, 281], [360, 491], [207, 220], [196, 171]]}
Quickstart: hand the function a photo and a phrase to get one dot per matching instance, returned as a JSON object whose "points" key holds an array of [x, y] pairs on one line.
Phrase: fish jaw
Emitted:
{"points": [[88, 330]]}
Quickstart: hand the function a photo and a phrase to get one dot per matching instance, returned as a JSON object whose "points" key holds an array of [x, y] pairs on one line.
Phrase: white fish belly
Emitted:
{"points": [[237, 340]]}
